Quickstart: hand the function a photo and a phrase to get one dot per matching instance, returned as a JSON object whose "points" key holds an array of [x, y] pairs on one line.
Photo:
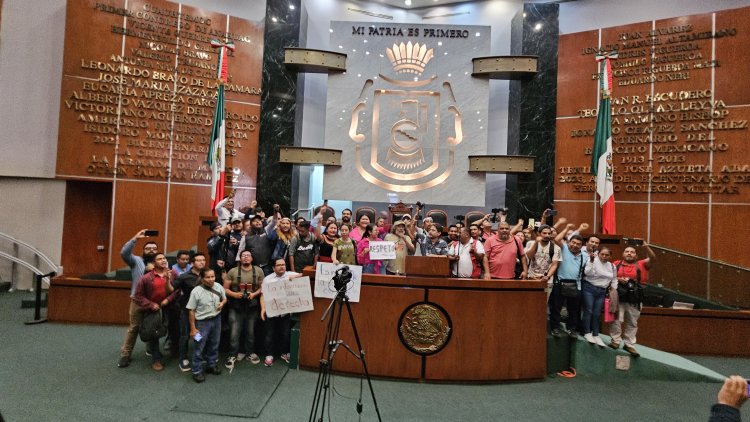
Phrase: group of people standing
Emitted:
{"points": [[247, 250]]}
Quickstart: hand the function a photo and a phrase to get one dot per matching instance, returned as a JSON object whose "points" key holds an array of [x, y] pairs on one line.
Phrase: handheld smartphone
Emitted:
{"points": [[151, 233], [552, 213], [634, 242], [531, 223], [198, 337]]}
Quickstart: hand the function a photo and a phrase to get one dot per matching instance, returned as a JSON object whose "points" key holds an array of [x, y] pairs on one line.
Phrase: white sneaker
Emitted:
{"points": [[589, 338], [240, 356], [599, 341]]}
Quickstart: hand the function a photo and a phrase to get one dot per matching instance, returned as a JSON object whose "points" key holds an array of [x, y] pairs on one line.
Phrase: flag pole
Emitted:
{"points": [[217, 147], [601, 157]]}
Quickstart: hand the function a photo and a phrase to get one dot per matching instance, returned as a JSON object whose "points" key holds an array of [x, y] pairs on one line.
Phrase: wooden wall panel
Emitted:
{"points": [[496, 345], [250, 59], [577, 212], [89, 301], [632, 219], [681, 227], [732, 58], [121, 87], [572, 167], [79, 19], [671, 105], [138, 205], [574, 85], [86, 225], [719, 333], [729, 228], [376, 317], [678, 272], [730, 286], [185, 202], [733, 165]]}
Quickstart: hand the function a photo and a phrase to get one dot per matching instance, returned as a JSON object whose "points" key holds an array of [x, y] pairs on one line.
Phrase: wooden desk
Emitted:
{"points": [[71, 299], [498, 329]]}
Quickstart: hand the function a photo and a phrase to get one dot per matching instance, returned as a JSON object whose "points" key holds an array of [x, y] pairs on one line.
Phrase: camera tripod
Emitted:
{"points": [[328, 353]]}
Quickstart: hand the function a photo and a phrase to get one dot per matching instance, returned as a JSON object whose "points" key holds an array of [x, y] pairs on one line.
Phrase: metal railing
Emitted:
{"points": [[41, 264], [701, 277]]}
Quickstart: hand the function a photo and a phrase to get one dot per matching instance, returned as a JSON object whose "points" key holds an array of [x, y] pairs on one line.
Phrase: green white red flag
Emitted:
{"points": [[217, 148], [601, 160]]}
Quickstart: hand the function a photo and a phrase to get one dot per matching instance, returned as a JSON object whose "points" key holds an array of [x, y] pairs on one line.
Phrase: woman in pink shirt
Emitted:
{"points": [[369, 266]]}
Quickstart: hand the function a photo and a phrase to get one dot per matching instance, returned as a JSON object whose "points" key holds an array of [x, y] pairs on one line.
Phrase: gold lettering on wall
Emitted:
{"points": [[146, 110]]}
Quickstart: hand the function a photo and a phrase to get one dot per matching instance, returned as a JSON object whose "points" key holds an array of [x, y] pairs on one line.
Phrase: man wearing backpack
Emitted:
{"points": [[242, 285], [544, 256], [635, 271]]}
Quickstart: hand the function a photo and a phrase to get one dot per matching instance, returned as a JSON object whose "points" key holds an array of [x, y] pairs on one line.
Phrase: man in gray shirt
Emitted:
{"points": [[204, 307]]}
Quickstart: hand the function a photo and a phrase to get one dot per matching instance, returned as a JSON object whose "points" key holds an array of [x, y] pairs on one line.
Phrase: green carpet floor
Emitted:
{"points": [[57, 372], [244, 392]]}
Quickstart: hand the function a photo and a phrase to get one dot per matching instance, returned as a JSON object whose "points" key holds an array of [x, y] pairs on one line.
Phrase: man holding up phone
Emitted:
{"points": [[630, 269], [137, 266]]}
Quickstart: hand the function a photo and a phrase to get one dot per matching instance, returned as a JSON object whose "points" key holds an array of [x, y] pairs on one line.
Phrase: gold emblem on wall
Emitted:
{"points": [[424, 328], [405, 151]]}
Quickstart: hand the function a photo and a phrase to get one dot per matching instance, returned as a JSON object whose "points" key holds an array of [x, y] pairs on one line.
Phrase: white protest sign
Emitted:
{"points": [[324, 273], [380, 250], [287, 296]]}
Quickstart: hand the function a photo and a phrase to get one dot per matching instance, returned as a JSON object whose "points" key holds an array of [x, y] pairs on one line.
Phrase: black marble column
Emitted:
{"points": [[283, 28], [532, 110]]}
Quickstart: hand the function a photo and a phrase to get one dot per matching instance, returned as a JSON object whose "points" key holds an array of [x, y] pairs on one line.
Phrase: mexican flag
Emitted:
{"points": [[601, 160], [217, 147]]}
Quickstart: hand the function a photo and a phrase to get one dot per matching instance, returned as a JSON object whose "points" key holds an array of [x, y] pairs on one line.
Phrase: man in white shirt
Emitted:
{"points": [[278, 326], [467, 256]]}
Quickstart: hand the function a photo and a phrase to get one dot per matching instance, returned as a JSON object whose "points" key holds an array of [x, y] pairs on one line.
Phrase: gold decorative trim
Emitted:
{"points": [[301, 155], [314, 61], [501, 163], [505, 67]]}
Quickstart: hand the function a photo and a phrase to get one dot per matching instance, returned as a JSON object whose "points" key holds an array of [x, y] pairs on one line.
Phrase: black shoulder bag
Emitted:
{"points": [[152, 326], [632, 291]]}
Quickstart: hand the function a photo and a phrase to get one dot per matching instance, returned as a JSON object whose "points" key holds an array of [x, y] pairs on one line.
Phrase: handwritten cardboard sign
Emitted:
{"points": [[380, 250], [324, 273], [287, 296]]}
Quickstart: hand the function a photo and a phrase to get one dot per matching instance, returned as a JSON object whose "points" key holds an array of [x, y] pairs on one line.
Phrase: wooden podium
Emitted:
{"points": [[486, 330]]}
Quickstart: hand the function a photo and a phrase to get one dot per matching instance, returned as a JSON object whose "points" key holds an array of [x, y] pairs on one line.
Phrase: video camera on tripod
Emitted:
{"points": [[341, 278]]}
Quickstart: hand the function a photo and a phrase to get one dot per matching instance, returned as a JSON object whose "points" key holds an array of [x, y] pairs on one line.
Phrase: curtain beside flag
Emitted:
{"points": [[601, 161], [217, 147]]}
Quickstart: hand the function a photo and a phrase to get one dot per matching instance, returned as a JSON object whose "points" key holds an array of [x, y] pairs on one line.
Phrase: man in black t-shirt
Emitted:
{"points": [[303, 250], [185, 283]]}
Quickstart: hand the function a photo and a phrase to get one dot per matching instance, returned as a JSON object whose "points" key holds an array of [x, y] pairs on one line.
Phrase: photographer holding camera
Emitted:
{"points": [[632, 274]]}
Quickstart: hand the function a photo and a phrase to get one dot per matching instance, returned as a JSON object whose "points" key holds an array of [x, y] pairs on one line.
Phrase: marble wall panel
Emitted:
{"points": [[534, 102], [408, 120], [278, 103]]}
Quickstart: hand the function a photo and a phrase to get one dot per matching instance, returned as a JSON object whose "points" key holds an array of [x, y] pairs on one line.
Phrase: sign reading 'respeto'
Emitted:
{"points": [[382, 250], [287, 296]]}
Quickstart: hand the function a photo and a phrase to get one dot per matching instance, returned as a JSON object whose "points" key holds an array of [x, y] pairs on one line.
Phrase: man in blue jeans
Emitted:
{"points": [[205, 304], [185, 283], [569, 271]]}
